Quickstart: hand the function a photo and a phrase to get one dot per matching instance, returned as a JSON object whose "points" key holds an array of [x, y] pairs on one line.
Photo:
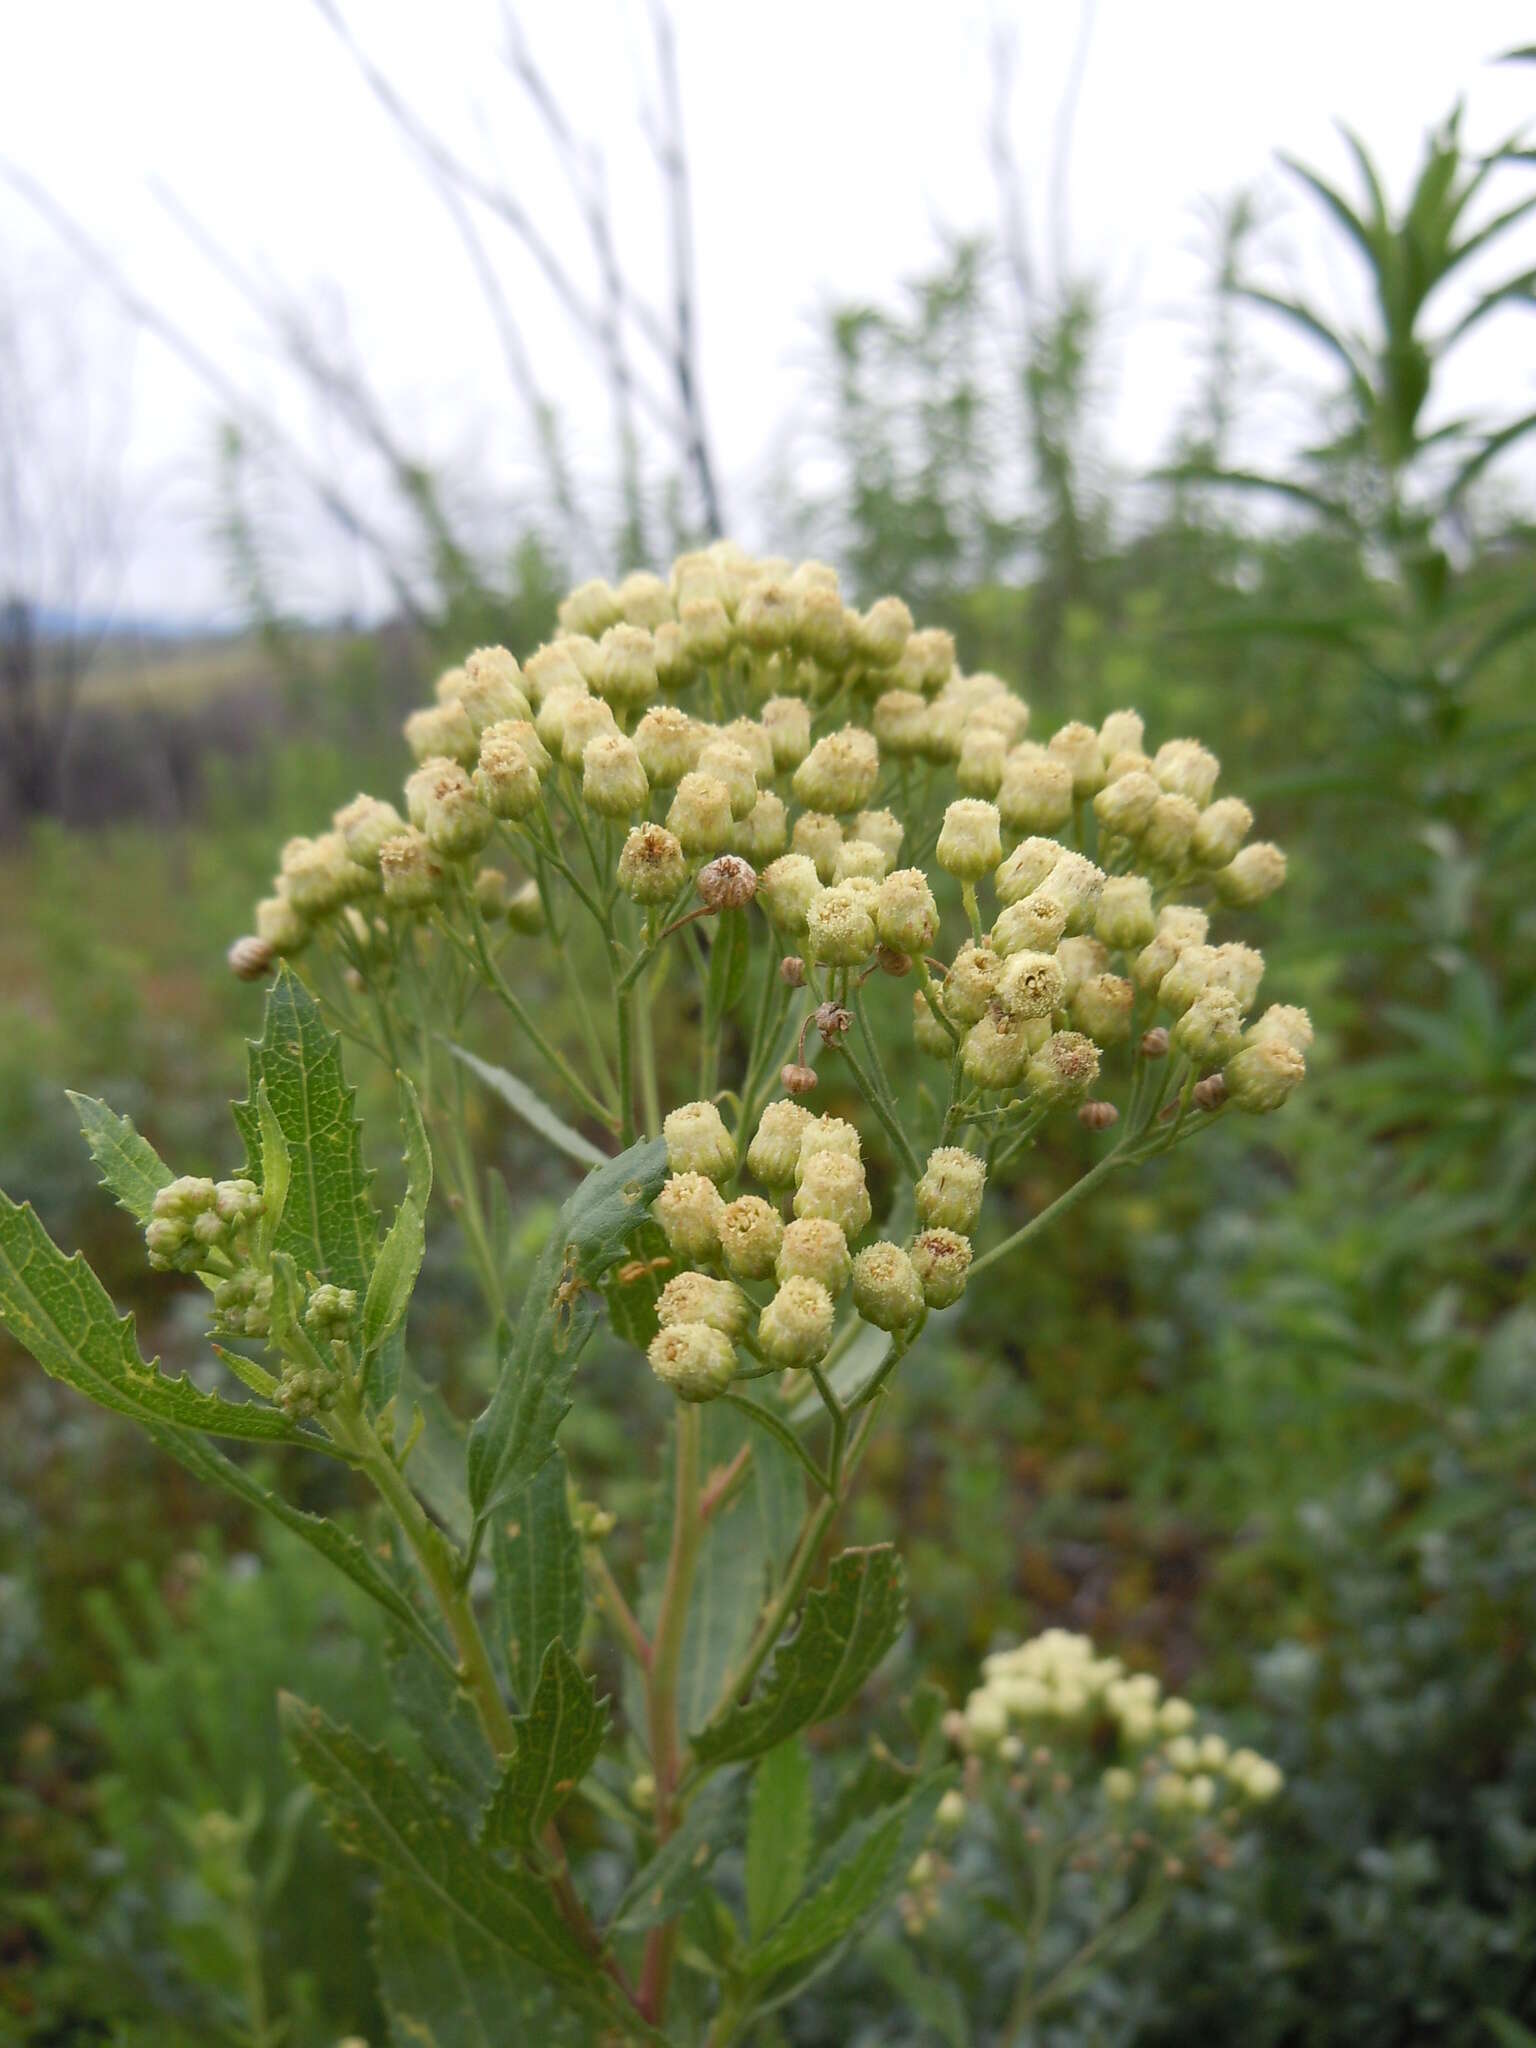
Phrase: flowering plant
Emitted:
{"points": [[772, 821]]}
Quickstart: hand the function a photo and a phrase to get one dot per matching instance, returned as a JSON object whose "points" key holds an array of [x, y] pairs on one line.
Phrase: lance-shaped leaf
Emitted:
{"points": [[445, 1984], [715, 1821], [327, 1226], [341, 1549], [845, 1630], [859, 1877], [393, 1280], [130, 1166], [378, 1809], [516, 1432], [540, 1594], [57, 1309], [778, 1835], [527, 1103], [557, 1744]]}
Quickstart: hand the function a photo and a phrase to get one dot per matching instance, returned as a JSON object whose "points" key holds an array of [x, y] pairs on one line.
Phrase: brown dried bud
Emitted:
{"points": [[1097, 1116], [792, 971], [798, 1080], [832, 1021], [249, 959], [727, 882], [1154, 1044], [1210, 1093], [889, 961]]}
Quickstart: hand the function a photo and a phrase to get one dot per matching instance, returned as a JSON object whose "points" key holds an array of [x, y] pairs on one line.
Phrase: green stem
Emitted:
{"points": [[557, 1060], [1059, 1207]]}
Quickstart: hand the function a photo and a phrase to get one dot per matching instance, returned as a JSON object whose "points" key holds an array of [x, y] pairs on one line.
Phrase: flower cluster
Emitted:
{"points": [[736, 738]]}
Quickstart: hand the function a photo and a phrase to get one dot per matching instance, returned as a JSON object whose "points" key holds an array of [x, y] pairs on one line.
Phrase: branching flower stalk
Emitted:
{"points": [[706, 784]]}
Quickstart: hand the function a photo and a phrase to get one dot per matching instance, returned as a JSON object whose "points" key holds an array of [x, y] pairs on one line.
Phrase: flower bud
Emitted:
{"points": [[1077, 747], [651, 865], [941, 1259], [705, 629], [1188, 977], [491, 893], [557, 706], [886, 1289], [675, 667], [1283, 1024], [1185, 768], [840, 771], [832, 1186], [280, 927], [727, 883], [1077, 885], [590, 609], [1154, 1043], [506, 781], [900, 720], [1169, 829], [998, 1047], [442, 732], [364, 825], [1030, 984], [764, 833], [826, 1134], [613, 782], [1210, 1093], [668, 742], [1064, 1068], [525, 910], [696, 1362], [249, 959], [1124, 918], [412, 873], [928, 659], [1034, 924], [644, 600], [1123, 732], [1261, 1077], [750, 1231], [1222, 829], [454, 820], [330, 1311], [906, 916], [1118, 1785], [765, 617], [971, 983], [732, 765], [823, 628], [318, 875], [799, 1080], [840, 926], [1097, 1116], [787, 722], [970, 839], [928, 1034], [1079, 959], [814, 1248], [774, 1152], [1035, 794], [490, 694], [795, 1328], [983, 750], [857, 858], [944, 729], [1026, 868], [701, 815], [1238, 968], [698, 1142], [950, 1190], [880, 635], [688, 1210], [1101, 1007], [1211, 1029], [1126, 804], [698, 1298], [1258, 871], [819, 837], [792, 971], [787, 888], [586, 718], [548, 668]]}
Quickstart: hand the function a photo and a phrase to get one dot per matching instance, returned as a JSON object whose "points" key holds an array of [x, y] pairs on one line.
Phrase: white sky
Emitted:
{"points": [[830, 139]]}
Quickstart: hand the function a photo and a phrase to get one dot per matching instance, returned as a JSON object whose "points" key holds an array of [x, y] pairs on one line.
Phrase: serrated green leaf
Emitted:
{"points": [[636, 1285], [516, 1432], [378, 1809], [540, 1589], [276, 1167], [715, 1821], [446, 1985], [527, 1103], [447, 1727], [327, 1226], [393, 1279], [334, 1544], [130, 1166], [436, 1463], [57, 1309], [778, 1835], [730, 1577], [557, 1744], [860, 1876], [847, 1627]]}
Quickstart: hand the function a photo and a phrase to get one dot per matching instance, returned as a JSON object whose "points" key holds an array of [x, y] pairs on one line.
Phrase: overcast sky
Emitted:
{"points": [[831, 140]]}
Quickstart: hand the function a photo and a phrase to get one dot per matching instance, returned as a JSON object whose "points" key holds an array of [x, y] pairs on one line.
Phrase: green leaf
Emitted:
{"points": [[729, 956], [327, 1226], [336, 1545], [636, 1285], [540, 1591], [775, 1427], [516, 1432], [276, 1167], [1508, 2032], [527, 1103], [847, 1627], [393, 1280], [130, 1166], [452, 1740], [558, 1740], [680, 1868], [378, 1809], [860, 1876], [778, 1835], [445, 1984], [436, 1463], [57, 1309]]}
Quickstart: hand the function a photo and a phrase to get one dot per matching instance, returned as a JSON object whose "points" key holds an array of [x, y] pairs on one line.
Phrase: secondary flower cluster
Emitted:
{"points": [[1055, 1688]]}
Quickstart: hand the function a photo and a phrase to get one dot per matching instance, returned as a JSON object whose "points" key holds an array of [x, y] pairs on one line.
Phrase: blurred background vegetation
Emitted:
{"points": [[1263, 1420]]}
